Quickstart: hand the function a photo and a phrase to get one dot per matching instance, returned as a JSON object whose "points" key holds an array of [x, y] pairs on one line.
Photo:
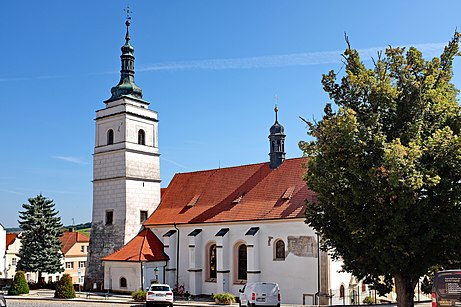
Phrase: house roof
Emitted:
{"points": [[70, 238], [10, 237], [144, 247], [242, 193]]}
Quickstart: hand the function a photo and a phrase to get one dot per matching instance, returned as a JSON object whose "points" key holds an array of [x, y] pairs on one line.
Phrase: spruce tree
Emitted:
{"points": [[40, 238]]}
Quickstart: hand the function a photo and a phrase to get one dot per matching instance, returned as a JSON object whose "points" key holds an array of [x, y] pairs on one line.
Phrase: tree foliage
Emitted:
{"points": [[64, 287], [40, 238], [19, 285], [386, 166]]}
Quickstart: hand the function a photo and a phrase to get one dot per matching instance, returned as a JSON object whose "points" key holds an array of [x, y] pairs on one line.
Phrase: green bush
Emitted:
{"points": [[64, 288], [139, 295], [368, 300], [19, 285], [224, 298]]}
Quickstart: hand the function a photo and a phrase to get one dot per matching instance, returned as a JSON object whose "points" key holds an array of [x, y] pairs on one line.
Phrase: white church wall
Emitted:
{"points": [[296, 275], [115, 270]]}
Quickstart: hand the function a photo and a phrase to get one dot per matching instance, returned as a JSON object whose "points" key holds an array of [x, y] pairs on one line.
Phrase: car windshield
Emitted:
{"points": [[160, 288], [449, 284], [267, 288]]}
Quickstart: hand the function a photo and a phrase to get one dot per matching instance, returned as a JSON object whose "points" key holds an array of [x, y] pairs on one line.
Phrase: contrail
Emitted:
{"points": [[429, 51], [285, 60]]}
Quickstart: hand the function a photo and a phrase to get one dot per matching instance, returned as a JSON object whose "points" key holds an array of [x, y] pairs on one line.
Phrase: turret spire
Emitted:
{"points": [[276, 142], [126, 86]]}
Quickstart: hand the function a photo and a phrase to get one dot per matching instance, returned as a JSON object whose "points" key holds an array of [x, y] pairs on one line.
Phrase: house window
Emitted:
{"points": [[50, 279], [82, 248], [143, 216], [82, 264], [122, 282], [69, 265], [212, 261], [13, 261], [57, 277], [141, 137], [81, 280], [279, 250], [364, 287], [242, 262], [109, 217], [110, 137], [341, 291]]}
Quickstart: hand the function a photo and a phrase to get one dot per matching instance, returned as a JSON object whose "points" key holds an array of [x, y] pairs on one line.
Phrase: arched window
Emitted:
{"points": [[141, 137], [242, 262], [341, 291], [122, 282], [212, 261], [279, 250], [110, 137]]}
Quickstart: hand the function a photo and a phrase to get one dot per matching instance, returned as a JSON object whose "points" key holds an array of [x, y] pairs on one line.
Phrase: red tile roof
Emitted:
{"points": [[259, 188], [10, 237], [70, 238], [144, 247]]}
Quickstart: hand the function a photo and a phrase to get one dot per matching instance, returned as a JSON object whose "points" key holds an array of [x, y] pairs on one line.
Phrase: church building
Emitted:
{"points": [[209, 231]]}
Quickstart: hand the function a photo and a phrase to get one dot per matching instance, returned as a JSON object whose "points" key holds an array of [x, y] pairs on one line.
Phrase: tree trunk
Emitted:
{"points": [[405, 287]]}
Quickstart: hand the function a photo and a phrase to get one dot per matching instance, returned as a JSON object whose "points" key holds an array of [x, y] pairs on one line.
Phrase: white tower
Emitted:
{"points": [[126, 168]]}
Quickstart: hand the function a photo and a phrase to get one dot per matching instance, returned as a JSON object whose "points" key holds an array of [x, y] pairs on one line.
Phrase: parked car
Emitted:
{"points": [[2, 300], [260, 294], [446, 288], [159, 294]]}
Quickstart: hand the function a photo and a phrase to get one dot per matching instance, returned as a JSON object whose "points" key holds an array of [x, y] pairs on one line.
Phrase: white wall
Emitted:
{"points": [[2, 251], [296, 275]]}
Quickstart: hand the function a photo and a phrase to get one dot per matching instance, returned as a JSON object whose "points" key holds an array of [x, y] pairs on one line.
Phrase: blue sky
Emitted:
{"points": [[210, 68]]}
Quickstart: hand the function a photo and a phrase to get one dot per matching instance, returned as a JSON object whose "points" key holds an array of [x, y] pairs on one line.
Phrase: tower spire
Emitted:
{"points": [[126, 85], [276, 142]]}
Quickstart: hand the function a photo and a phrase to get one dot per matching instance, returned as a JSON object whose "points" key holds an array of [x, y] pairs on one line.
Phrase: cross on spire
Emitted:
{"points": [[128, 12]]}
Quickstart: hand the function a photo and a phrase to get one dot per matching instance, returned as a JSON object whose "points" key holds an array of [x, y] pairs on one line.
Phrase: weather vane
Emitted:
{"points": [[128, 12]]}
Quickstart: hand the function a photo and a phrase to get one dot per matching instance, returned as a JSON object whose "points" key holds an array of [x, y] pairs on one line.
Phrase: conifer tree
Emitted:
{"points": [[19, 285], [40, 238], [64, 288]]}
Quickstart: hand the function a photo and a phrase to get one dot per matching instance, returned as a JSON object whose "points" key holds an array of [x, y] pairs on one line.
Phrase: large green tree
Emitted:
{"points": [[385, 163], [40, 238]]}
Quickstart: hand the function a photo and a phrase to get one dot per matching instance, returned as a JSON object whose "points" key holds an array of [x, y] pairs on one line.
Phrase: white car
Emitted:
{"points": [[159, 294], [260, 294]]}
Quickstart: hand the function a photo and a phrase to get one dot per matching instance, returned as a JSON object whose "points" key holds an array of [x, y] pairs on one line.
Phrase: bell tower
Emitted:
{"points": [[126, 168]]}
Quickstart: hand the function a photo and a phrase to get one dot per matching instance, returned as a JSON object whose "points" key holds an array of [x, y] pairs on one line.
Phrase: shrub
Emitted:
{"points": [[64, 288], [139, 295], [368, 300], [224, 298], [19, 285]]}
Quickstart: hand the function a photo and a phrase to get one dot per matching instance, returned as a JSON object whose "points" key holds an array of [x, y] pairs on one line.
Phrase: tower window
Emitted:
{"points": [[143, 216], [110, 137], [141, 137], [109, 217]]}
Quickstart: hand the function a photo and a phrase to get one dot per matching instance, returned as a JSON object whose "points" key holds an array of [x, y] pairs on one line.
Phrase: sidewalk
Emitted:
{"points": [[102, 297]]}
